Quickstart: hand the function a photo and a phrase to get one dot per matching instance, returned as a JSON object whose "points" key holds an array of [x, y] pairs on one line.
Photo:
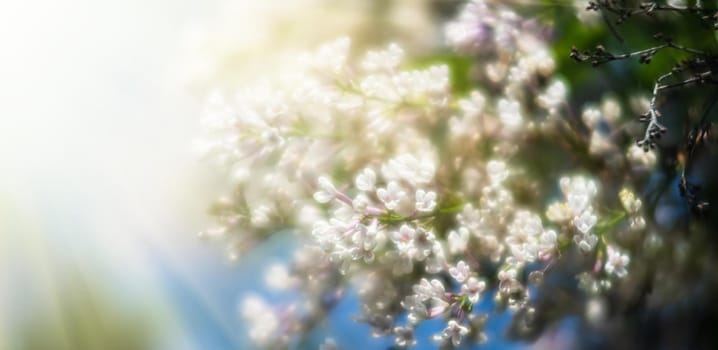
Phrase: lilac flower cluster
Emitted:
{"points": [[411, 193]]}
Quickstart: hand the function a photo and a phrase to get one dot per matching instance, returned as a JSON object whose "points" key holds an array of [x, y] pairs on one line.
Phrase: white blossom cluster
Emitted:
{"points": [[513, 50], [324, 115], [577, 210], [411, 192], [358, 226]]}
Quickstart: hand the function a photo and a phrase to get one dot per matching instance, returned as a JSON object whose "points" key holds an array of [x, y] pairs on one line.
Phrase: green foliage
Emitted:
{"points": [[628, 76]]}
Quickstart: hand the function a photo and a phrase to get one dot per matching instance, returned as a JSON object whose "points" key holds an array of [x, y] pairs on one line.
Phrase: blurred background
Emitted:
{"points": [[101, 195]]}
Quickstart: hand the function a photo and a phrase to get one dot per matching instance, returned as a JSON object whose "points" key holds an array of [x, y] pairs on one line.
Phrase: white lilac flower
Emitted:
{"points": [[392, 195], [460, 272], [364, 236], [404, 240], [523, 236], [579, 192], [432, 293], [366, 180], [453, 332], [425, 201], [427, 290], [458, 240], [473, 287], [326, 192], [361, 203], [405, 234], [585, 222], [361, 243], [616, 262]]}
